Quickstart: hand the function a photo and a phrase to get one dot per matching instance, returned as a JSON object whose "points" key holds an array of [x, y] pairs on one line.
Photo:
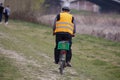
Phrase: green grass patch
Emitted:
{"points": [[81, 12], [7, 70], [99, 63]]}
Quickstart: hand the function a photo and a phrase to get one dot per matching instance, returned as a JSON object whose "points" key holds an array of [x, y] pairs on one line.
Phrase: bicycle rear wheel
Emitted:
{"points": [[62, 62], [62, 66]]}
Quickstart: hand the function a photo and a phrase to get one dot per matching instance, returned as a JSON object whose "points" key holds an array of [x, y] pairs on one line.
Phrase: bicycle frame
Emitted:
{"points": [[63, 46]]}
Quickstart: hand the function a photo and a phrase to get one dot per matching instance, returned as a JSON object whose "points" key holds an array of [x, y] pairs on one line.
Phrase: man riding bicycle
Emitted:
{"points": [[64, 28]]}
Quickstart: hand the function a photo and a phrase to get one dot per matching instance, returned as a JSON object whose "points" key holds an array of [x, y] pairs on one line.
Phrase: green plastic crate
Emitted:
{"points": [[63, 45]]}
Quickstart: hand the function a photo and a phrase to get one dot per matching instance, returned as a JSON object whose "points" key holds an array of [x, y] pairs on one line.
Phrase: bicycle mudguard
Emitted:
{"points": [[63, 45]]}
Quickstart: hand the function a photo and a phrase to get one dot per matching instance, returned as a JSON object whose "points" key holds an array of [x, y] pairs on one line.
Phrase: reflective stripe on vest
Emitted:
{"points": [[65, 23]]}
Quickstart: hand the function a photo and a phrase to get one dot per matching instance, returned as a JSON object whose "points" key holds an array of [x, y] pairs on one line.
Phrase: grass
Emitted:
{"points": [[81, 12], [93, 58], [96, 55], [7, 70]]}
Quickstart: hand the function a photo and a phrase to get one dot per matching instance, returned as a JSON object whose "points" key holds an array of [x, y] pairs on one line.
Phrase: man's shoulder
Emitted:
{"points": [[1, 7], [70, 14]]}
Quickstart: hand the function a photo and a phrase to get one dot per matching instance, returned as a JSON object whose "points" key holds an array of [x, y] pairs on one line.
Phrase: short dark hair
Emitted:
{"points": [[66, 9]]}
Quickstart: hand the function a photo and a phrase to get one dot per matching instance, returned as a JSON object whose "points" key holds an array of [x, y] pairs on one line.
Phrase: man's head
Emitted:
{"points": [[66, 9]]}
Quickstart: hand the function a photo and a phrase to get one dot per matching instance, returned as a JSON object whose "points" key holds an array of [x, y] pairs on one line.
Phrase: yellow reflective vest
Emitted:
{"points": [[65, 23]]}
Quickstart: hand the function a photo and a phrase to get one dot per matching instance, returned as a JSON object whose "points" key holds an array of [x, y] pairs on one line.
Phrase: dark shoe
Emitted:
{"points": [[68, 64]]}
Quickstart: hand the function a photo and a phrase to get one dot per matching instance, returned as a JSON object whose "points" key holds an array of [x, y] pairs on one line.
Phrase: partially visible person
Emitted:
{"points": [[1, 12], [6, 14]]}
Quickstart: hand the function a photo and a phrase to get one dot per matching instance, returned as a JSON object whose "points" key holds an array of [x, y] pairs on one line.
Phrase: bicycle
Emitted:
{"points": [[63, 46]]}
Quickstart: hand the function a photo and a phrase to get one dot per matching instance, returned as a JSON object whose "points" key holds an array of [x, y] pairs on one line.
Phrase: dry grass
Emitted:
{"points": [[46, 19], [100, 19], [99, 25], [102, 25]]}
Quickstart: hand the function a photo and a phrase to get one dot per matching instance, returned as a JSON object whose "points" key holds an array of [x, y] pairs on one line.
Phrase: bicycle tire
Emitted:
{"points": [[62, 66], [62, 63]]}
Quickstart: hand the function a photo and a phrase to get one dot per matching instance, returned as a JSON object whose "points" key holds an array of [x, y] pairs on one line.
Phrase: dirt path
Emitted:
{"points": [[32, 70]]}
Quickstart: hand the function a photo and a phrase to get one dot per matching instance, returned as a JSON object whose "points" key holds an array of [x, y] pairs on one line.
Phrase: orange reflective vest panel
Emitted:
{"points": [[65, 23]]}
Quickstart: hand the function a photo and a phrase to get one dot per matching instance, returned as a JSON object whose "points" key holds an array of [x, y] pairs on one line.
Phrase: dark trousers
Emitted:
{"points": [[6, 18], [60, 37], [0, 17]]}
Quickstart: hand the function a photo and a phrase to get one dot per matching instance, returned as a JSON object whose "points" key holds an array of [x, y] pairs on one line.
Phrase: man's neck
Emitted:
{"points": [[65, 12]]}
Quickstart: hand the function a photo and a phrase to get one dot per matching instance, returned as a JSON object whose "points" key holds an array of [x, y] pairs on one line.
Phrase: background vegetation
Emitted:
{"points": [[30, 10], [44, 11], [25, 9]]}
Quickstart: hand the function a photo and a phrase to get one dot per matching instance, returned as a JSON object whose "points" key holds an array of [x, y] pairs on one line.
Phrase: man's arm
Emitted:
{"points": [[73, 21], [54, 25]]}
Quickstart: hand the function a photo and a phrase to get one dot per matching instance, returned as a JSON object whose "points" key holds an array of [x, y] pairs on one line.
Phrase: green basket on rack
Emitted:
{"points": [[63, 45]]}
